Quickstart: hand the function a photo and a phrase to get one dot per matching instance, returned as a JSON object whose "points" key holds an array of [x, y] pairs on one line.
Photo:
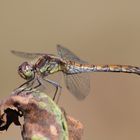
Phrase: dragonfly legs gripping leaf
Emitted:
{"points": [[40, 81], [28, 85]]}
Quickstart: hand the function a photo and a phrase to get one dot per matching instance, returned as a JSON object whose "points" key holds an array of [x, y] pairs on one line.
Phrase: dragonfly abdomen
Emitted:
{"points": [[74, 68], [118, 68]]}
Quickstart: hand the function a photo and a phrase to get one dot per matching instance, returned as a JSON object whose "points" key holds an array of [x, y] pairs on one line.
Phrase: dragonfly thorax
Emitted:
{"points": [[26, 71], [47, 65]]}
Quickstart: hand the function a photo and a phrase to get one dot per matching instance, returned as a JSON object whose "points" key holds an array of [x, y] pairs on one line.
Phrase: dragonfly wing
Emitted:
{"points": [[77, 84], [26, 55], [33, 57], [67, 54]]}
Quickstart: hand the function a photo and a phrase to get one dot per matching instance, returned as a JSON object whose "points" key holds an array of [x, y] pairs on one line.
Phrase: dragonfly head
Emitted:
{"points": [[26, 71]]}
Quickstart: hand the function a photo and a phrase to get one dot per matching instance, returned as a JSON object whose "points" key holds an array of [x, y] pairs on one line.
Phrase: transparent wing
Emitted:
{"points": [[77, 84], [26, 55], [67, 54]]}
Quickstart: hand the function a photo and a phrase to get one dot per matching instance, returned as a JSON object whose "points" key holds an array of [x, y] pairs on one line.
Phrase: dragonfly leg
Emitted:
{"points": [[57, 87], [59, 95], [64, 112], [28, 84], [39, 84]]}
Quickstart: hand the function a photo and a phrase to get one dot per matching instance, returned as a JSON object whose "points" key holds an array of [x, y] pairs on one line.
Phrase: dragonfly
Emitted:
{"points": [[74, 69]]}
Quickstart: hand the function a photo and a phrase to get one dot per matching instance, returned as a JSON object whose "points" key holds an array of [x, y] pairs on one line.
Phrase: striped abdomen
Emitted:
{"points": [[73, 68]]}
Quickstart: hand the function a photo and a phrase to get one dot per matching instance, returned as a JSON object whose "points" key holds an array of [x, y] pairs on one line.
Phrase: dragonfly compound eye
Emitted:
{"points": [[26, 71]]}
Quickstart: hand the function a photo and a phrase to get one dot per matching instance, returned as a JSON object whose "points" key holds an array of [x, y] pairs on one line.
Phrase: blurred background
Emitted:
{"points": [[100, 32]]}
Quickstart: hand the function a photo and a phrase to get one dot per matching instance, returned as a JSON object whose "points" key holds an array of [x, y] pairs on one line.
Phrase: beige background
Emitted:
{"points": [[98, 31]]}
